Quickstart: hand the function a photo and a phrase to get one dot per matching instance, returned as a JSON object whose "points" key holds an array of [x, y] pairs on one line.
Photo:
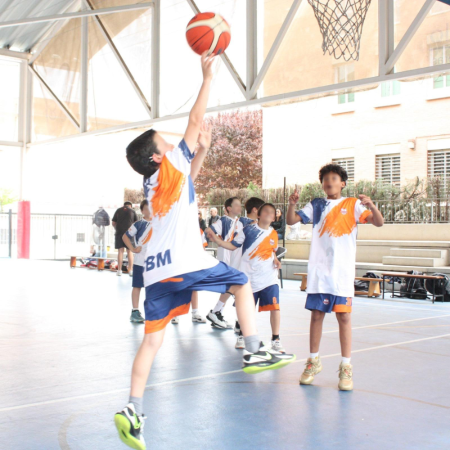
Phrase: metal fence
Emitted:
{"points": [[423, 210], [52, 236]]}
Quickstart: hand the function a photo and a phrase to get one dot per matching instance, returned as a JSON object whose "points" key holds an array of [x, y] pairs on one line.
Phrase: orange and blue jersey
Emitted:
{"points": [[175, 246], [331, 264], [227, 228], [258, 255], [141, 231]]}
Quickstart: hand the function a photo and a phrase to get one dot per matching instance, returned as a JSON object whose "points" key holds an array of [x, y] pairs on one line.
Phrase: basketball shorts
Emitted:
{"points": [[328, 303], [138, 276], [269, 298], [118, 241], [172, 297]]}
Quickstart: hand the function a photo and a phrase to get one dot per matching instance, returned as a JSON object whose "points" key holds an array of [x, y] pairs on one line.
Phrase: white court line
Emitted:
{"points": [[366, 303], [201, 377]]}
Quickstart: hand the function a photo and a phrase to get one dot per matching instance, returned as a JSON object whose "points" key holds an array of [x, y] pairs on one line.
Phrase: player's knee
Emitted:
{"points": [[317, 316], [343, 318], [153, 341]]}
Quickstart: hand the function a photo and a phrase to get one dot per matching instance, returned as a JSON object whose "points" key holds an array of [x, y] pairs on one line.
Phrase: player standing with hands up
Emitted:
{"points": [[331, 265]]}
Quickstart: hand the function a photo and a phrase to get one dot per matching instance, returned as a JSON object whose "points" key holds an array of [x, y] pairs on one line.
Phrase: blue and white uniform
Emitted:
{"points": [[141, 231]]}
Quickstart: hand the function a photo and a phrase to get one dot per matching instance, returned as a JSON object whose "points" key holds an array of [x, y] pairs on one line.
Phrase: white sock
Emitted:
{"points": [[194, 311], [314, 355], [135, 309], [218, 307], [346, 360]]}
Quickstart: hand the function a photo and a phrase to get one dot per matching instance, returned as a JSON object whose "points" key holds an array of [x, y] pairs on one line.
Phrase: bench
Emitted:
{"points": [[374, 285], [408, 275]]}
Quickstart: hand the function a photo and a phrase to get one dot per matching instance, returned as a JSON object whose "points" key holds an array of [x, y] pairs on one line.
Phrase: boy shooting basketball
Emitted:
{"points": [[331, 265], [175, 262]]}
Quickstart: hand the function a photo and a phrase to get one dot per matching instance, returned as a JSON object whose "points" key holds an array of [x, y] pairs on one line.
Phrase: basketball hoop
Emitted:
{"points": [[341, 23]]}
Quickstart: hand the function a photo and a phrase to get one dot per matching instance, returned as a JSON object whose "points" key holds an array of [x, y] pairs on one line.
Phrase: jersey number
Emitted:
{"points": [[161, 260]]}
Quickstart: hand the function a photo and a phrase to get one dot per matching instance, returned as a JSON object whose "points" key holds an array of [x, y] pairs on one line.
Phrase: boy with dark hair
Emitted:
{"points": [[331, 265], [226, 227], [175, 262], [123, 218], [258, 244], [140, 231]]}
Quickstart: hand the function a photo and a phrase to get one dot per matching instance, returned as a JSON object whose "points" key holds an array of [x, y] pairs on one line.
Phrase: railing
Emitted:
{"points": [[423, 210]]}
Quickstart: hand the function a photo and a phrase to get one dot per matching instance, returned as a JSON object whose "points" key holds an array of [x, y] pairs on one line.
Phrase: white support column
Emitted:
{"points": [[25, 124], [275, 46], [252, 44], [84, 74], [385, 33], [156, 58], [406, 39]]}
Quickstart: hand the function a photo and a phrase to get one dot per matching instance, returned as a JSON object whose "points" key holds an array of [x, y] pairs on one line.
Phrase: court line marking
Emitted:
{"points": [[202, 377]]}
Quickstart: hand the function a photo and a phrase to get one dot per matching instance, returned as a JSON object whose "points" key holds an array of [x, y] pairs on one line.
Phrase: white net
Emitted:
{"points": [[341, 23]]}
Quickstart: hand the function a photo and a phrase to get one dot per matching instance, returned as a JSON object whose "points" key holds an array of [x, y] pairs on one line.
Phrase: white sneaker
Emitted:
{"points": [[276, 345], [198, 318], [130, 273], [119, 273], [175, 320], [240, 343], [217, 319]]}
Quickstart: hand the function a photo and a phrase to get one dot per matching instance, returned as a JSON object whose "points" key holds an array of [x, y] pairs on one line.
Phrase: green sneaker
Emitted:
{"points": [[136, 317], [130, 427], [265, 359]]}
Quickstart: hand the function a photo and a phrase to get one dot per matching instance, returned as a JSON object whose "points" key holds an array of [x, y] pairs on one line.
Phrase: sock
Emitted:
{"points": [[137, 402], [194, 311], [135, 309], [218, 307], [275, 337], [346, 360], [252, 343], [314, 355]]}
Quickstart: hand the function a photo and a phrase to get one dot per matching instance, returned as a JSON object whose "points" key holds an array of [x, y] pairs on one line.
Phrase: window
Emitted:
{"points": [[387, 168], [343, 74], [349, 165], [441, 55], [439, 165], [389, 88]]}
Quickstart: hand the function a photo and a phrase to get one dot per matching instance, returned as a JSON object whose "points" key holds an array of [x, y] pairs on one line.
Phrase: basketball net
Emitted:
{"points": [[341, 23]]}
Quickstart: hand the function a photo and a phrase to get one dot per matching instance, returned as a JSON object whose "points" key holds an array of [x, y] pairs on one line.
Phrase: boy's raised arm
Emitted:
{"points": [[291, 216], [199, 108]]}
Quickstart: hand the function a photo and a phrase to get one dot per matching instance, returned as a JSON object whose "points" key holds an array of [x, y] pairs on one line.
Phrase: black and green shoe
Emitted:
{"points": [[265, 359], [130, 427]]}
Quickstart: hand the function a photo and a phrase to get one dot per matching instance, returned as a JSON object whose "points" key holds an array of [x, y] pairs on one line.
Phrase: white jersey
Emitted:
{"points": [[258, 255], [142, 232], [331, 265], [175, 247], [226, 228]]}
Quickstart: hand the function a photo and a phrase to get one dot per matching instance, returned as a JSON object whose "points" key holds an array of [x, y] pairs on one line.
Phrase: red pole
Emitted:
{"points": [[23, 230]]}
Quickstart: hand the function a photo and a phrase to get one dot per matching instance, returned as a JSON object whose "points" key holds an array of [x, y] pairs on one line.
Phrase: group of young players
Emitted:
{"points": [[174, 266]]}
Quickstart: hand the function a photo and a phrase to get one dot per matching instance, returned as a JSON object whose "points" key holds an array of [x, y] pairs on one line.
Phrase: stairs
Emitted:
{"points": [[419, 257]]}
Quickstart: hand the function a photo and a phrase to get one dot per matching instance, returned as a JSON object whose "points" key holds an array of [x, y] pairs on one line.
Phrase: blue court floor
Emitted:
{"points": [[67, 346]]}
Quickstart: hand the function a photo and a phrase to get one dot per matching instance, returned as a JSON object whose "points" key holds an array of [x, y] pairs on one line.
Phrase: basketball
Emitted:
{"points": [[208, 32]]}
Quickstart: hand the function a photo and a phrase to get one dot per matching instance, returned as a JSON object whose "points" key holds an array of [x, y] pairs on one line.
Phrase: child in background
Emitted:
{"points": [[140, 231], [259, 242], [331, 265]]}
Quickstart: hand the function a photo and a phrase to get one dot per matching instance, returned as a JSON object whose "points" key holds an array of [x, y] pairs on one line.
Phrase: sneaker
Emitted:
{"points": [[119, 273], [237, 328], [217, 319], [136, 317], [276, 345], [312, 367], [265, 359], [198, 318], [130, 427], [240, 343], [175, 320], [345, 377]]}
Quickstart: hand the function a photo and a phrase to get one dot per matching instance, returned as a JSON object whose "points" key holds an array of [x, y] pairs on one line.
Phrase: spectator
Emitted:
{"points": [[123, 218], [279, 225], [214, 217], [201, 222]]}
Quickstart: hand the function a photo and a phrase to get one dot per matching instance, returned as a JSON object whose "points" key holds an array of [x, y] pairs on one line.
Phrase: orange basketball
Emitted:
{"points": [[208, 32]]}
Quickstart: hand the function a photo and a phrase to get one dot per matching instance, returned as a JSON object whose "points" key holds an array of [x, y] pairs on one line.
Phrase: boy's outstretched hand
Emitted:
{"points": [[366, 201], [204, 137], [207, 61], [293, 198]]}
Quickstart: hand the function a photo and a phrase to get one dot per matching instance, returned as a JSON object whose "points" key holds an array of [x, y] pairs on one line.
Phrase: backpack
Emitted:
{"points": [[101, 218], [364, 285], [413, 288], [441, 287]]}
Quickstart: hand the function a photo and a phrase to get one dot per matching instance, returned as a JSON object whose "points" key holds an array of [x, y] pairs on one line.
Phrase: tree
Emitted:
{"points": [[6, 197], [234, 160]]}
